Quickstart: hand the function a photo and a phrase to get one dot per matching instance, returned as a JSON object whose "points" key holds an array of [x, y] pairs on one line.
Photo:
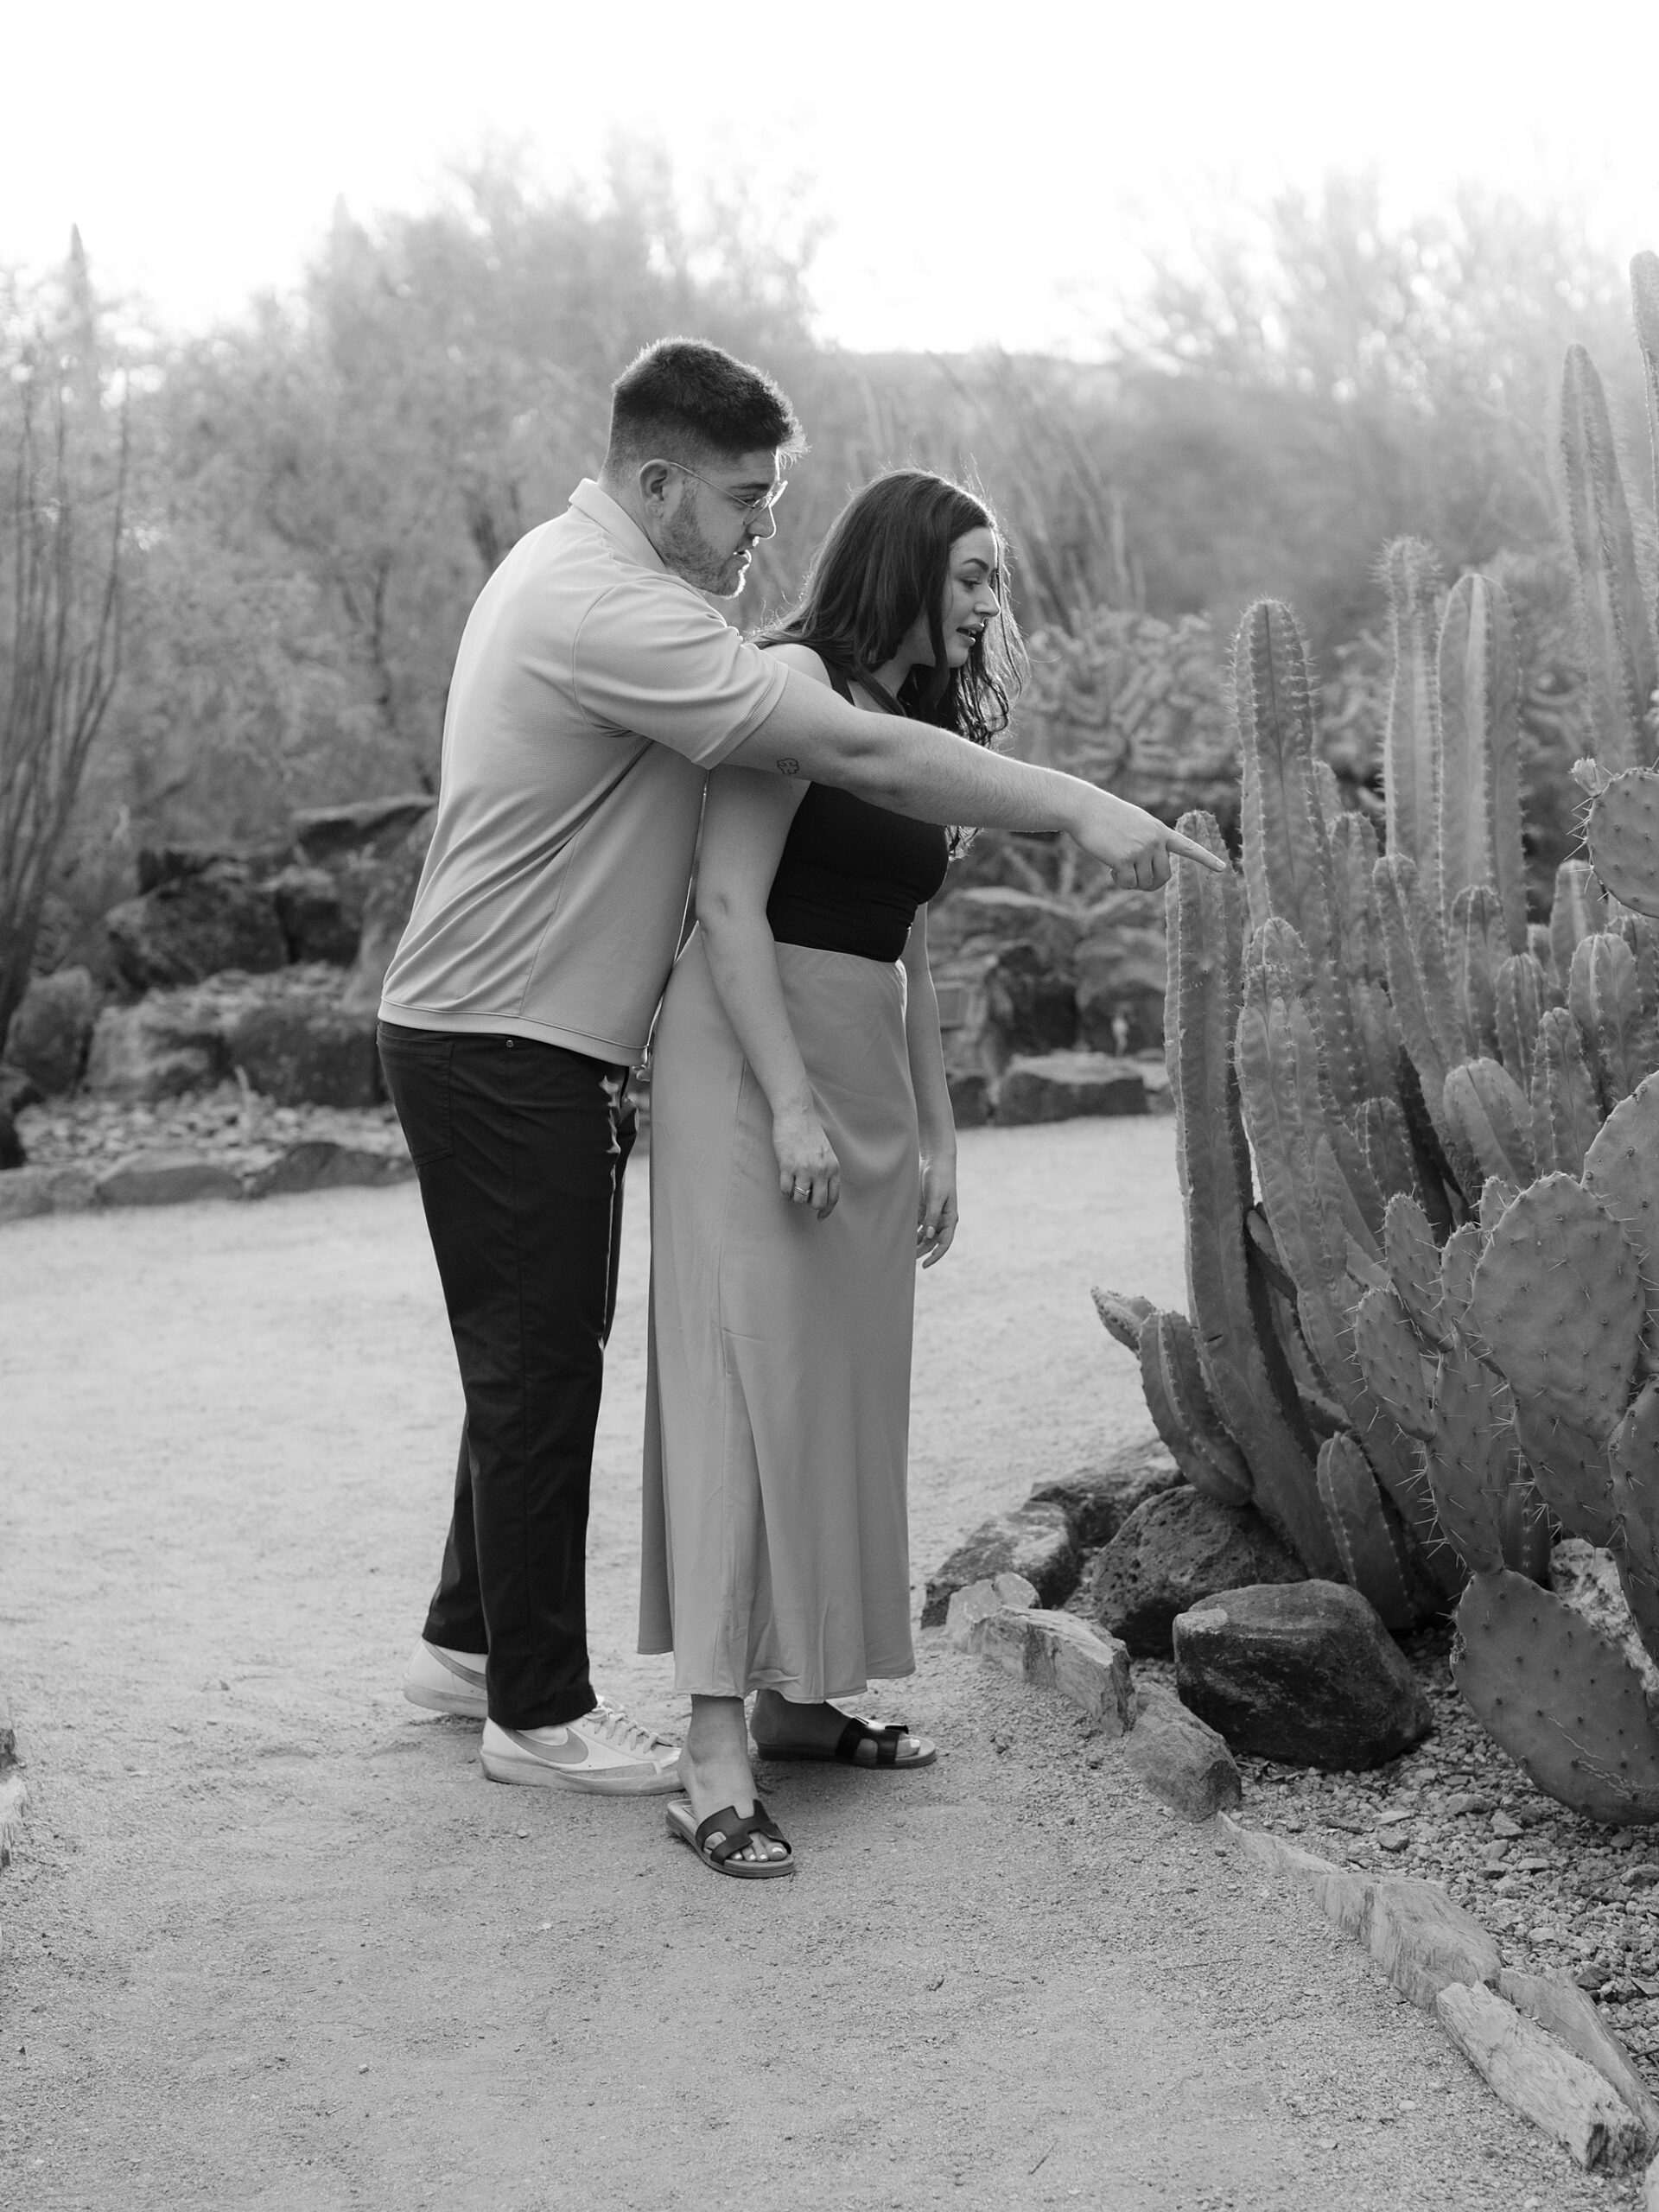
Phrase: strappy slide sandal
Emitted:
{"points": [[733, 1832], [852, 1740]]}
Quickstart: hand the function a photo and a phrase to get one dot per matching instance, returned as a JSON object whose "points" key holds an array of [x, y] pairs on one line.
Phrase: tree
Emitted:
{"points": [[61, 585]]}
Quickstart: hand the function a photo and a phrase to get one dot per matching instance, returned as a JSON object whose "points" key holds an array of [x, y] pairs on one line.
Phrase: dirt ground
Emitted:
{"points": [[272, 1941]]}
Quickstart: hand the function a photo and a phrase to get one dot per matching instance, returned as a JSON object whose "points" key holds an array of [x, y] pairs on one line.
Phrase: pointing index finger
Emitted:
{"points": [[1188, 849]]}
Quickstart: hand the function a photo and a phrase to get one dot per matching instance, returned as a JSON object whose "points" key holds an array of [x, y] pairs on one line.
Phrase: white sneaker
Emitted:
{"points": [[446, 1681], [604, 1753]]}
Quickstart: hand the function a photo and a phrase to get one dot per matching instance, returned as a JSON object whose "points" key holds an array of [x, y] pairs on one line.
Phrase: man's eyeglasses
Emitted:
{"points": [[763, 505]]}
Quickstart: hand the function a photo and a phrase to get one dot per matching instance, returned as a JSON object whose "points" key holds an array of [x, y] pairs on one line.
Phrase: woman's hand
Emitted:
{"points": [[936, 1219], [809, 1174]]}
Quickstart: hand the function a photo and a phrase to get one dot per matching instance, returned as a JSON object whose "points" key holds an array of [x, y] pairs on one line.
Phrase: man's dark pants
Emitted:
{"points": [[520, 1149]]}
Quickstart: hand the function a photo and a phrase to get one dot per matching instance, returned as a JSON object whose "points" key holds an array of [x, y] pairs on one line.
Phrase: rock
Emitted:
{"points": [[1343, 1897], [320, 1164], [1121, 966], [1535, 2076], [14, 1802], [372, 827], [1057, 1651], [162, 1177], [160, 864], [1181, 1761], [1010, 1592], [1503, 1826], [970, 1096], [12, 1154], [25, 1191], [8, 1732], [18, 1090], [302, 1050], [168, 1044], [316, 921], [389, 894], [1061, 1086], [52, 1028], [1033, 1541], [1422, 1941], [1588, 1579], [1303, 1672], [74, 1189], [198, 925], [1098, 1500], [1562, 2008], [1172, 1551]]}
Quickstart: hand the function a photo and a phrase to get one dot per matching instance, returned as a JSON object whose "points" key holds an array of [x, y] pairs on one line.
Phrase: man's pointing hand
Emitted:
{"points": [[1136, 847]]}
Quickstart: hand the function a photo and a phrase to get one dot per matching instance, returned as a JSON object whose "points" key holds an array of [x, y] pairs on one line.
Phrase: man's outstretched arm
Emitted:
{"points": [[934, 776]]}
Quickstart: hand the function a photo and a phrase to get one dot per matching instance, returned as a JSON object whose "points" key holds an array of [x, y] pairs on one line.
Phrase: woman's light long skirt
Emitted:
{"points": [[775, 1548]]}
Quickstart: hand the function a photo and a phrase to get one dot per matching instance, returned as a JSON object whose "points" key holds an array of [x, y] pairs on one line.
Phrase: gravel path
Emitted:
{"points": [[272, 1943]]}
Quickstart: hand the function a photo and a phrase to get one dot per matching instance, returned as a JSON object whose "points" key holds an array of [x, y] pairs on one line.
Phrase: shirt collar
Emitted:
{"points": [[617, 523]]}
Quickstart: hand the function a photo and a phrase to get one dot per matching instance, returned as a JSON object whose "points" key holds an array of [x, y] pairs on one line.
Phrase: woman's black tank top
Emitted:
{"points": [[852, 875]]}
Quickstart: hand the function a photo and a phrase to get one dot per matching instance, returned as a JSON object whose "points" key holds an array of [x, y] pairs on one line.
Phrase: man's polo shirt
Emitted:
{"points": [[593, 692]]}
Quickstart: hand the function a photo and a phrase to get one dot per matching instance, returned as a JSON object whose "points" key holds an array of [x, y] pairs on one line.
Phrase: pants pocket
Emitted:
{"points": [[417, 1064]]}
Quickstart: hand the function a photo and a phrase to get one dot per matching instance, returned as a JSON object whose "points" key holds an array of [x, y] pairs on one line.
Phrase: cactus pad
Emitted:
{"points": [[1391, 1360], [1415, 1263], [1559, 1697], [1622, 835], [1621, 1169], [1571, 1469], [1474, 1457], [1373, 1553], [1459, 1257], [1558, 1304], [1633, 1470]]}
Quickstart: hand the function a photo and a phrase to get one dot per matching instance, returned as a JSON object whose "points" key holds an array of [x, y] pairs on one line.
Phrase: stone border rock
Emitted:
{"points": [[13, 1791], [165, 1175], [1540, 2044]]}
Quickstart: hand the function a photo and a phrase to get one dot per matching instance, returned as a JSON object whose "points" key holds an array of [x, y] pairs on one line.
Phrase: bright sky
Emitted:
{"points": [[988, 173]]}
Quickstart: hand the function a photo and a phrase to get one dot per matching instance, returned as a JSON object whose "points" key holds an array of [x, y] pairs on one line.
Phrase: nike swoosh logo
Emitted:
{"points": [[571, 1753], [473, 1678]]}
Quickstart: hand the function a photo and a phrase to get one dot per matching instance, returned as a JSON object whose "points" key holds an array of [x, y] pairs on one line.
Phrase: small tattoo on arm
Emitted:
{"points": [[788, 767]]}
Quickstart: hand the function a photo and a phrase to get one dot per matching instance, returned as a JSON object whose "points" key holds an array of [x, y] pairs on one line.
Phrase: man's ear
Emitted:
{"points": [[654, 477]]}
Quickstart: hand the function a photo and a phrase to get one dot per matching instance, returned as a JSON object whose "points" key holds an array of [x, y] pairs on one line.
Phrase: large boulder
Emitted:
{"points": [[1171, 1553], [1304, 1673], [194, 926], [300, 1049], [1061, 1086], [994, 914], [12, 1154], [321, 913], [168, 1044], [1034, 1541], [51, 1030], [997, 1001], [1096, 1500], [1120, 963]]}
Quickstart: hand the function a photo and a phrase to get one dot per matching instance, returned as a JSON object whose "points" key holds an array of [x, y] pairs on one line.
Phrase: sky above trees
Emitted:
{"points": [[972, 174]]}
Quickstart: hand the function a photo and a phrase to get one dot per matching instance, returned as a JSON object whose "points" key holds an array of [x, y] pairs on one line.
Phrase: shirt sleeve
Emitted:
{"points": [[658, 662]]}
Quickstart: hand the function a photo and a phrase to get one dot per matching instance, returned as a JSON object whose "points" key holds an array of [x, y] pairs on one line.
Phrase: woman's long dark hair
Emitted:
{"points": [[886, 560]]}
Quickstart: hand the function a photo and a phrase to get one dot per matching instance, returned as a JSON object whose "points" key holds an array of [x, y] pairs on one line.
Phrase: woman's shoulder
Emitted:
{"points": [[800, 656]]}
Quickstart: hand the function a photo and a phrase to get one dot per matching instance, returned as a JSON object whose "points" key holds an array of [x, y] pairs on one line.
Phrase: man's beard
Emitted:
{"points": [[689, 553]]}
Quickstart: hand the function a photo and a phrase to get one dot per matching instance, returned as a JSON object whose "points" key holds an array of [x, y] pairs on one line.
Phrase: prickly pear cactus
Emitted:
{"points": [[1622, 834], [1559, 1698]]}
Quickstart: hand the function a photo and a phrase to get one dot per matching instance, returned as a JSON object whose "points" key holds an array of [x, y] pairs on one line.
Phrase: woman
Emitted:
{"points": [[802, 1158]]}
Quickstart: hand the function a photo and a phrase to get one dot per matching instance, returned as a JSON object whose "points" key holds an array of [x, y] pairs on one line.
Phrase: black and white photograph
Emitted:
{"points": [[829, 1108]]}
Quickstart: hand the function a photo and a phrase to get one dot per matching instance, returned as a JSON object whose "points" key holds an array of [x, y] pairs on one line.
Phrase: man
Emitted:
{"points": [[593, 688]]}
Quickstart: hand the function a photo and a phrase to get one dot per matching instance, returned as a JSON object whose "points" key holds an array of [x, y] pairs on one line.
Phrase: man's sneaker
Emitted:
{"points": [[603, 1753], [446, 1681]]}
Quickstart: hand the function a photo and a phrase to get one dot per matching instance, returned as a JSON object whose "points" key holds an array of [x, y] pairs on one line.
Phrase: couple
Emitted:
{"points": [[801, 1127]]}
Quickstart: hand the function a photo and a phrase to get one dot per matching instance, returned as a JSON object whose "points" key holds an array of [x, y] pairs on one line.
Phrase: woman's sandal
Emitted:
{"points": [[718, 1839], [886, 1740]]}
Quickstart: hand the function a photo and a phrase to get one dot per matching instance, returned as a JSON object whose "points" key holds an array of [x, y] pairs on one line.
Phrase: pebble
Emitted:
{"points": [[230, 1126]]}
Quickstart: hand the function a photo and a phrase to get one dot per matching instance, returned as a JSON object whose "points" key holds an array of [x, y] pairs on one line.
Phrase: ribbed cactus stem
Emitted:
{"points": [[1289, 869], [1616, 621], [1478, 948], [1520, 1009], [1644, 301], [1480, 763], [1579, 911], [1606, 1004], [1411, 744]]}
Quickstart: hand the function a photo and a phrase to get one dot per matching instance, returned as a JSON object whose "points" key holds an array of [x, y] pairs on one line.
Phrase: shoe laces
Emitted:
{"points": [[611, 1724]]}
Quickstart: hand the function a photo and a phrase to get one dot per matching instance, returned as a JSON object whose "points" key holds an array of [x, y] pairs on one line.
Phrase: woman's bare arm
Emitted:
{"points": [[744, 827]]}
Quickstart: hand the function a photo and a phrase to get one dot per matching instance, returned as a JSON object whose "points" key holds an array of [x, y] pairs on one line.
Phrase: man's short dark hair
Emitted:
{"points": [[683, 399]]}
